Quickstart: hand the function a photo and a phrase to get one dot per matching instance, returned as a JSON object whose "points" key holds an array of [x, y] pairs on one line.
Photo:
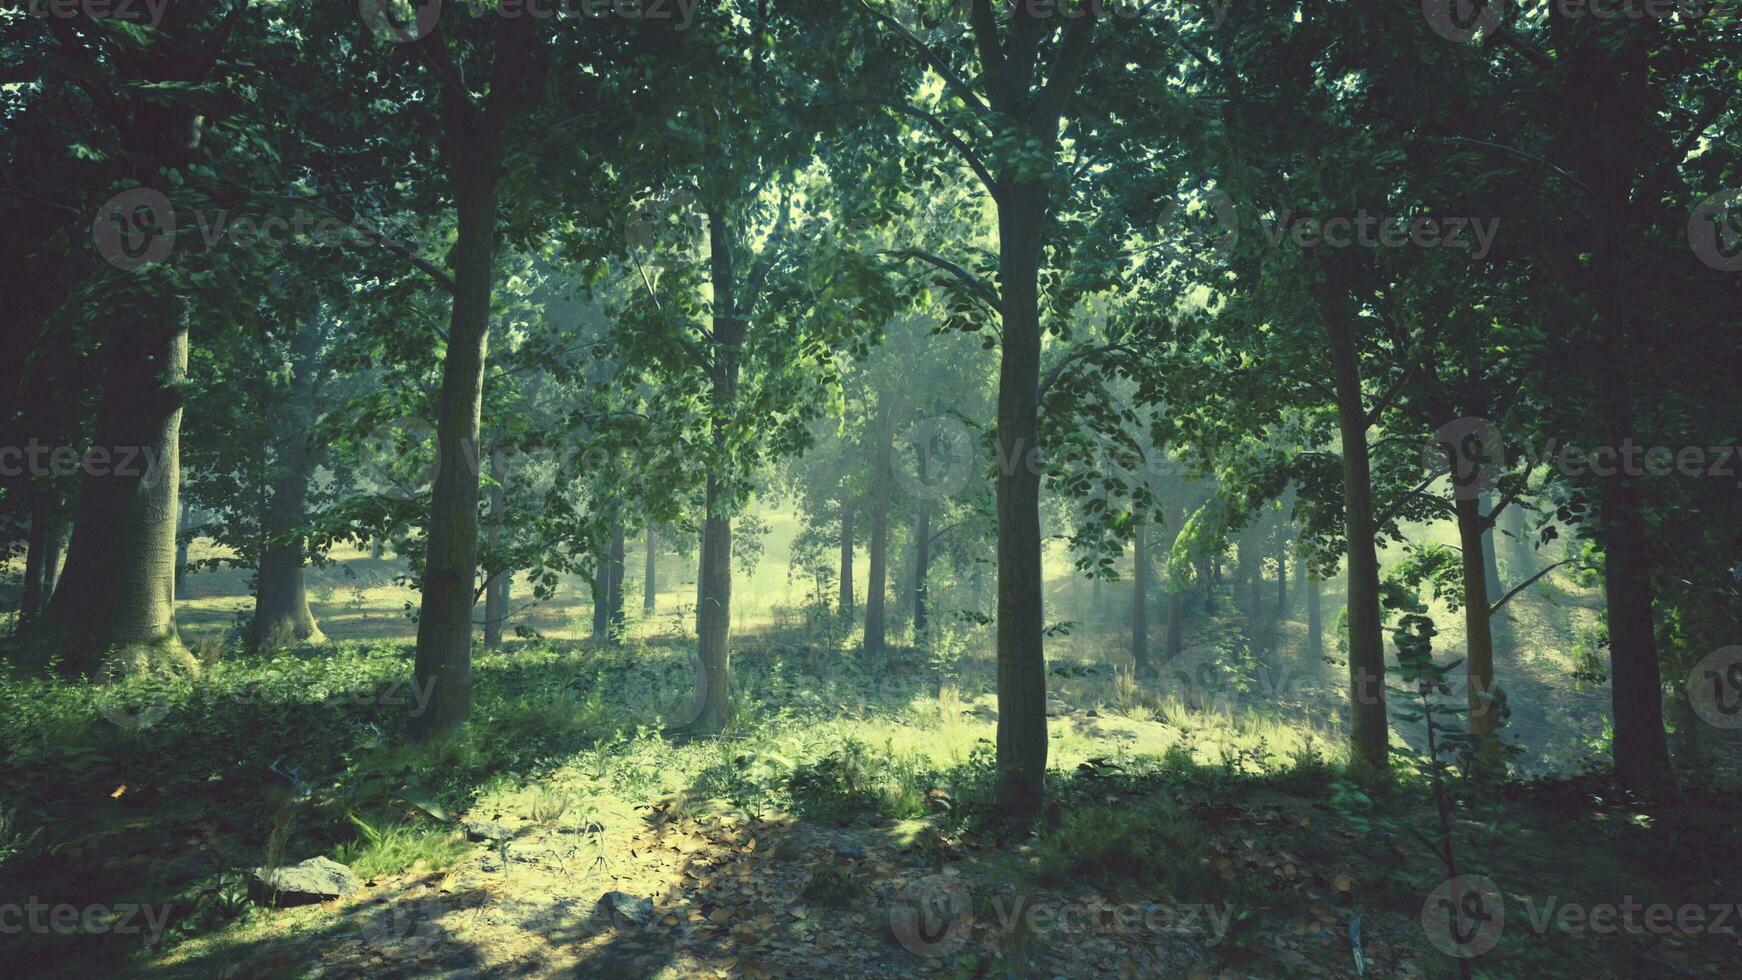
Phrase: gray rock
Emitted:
{"points": [[316, 880], [625, 909], [487, 830], [848, 849]]}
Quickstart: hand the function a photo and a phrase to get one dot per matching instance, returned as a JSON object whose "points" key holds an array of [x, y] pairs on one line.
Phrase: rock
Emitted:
{"points": [[1055, 709], [848, 849], [315, 880], [491, 862], [487, 830], [624, 909]]}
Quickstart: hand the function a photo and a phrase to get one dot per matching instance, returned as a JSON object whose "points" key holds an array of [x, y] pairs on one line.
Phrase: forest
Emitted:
{"points": [[871, 488]]}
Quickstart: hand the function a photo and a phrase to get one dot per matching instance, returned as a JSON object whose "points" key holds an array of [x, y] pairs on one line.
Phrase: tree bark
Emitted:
{"points": [[281, 611], [847, 602], [879, 574], [649, 573], [1315, 616], [1140, 664], [117, 594], [1478, 632], [1281, 575], [712, 709], [1369, 731], [496, 591], [1022, 743], [615, 601], [921, 564]]}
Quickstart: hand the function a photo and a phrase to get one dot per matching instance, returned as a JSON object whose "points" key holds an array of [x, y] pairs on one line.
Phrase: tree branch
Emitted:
{"points": [[974, 283], [952, 80]]}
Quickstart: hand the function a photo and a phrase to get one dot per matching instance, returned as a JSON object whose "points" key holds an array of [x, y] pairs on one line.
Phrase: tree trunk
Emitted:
{"points": [[1281, 576], [879, 575], [1140, 665], [1369, 732], [1176, 623], [1490, 563], [921, 564], [281, 611], [847, 609], [712, 709], [1478, 632], [1315, 616], [1022, 744], [53, 560], [615, 598], [38, 585], [496, 591], [649, 574], [118, 590], [444, 626], [1641, 753]]}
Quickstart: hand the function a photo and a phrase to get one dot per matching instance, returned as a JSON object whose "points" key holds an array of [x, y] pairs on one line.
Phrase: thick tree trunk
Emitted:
{"points": [[1315, 616], [1640, 751], [650, 573], [1369, 732], [1022, 743], [878, 585], [847, 610], [1478, 634], [38, 560], [1140, 664], [117, 595], [921, 564], [496, 591]]}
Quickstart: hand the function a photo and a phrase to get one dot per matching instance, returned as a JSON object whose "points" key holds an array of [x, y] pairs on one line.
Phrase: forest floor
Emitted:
{"points": [[1202, 823]]}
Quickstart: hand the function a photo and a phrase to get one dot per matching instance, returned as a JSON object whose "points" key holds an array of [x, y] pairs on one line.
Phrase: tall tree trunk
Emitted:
{"points": [[1022, 743], [615, 600], [847, 601], [1141, 665], [1490, 563], [1478, 634], [879, 575], [650, 573], [53, 559], [37, 587], [1521, 560], [712, 709], [281, 611], [496, 591], [1176, 623], [1640, 751], [1369, 732], [182, 540], [1281, 576], [117, 594], [444, 626], [1315, 616], [921, 565]]}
